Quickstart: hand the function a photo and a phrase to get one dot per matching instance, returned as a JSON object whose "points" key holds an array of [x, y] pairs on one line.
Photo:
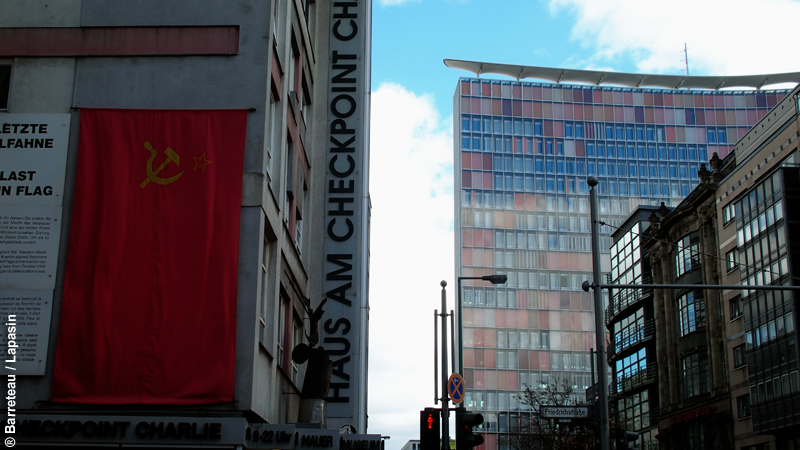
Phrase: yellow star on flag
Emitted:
{"points": [[201, 162]]}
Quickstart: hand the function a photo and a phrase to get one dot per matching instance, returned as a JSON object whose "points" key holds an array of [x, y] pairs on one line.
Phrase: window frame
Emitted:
{"points": [[5, 86], [739, 356], [695, 375], [735, 308], [743, 406], [691, 314], [687, 254], [732, 260]]}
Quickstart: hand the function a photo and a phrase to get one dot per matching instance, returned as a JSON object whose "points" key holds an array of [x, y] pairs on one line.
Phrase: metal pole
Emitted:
{"points": [[460, 331], [591, 357], [742, 287], [452, 341], [602, 377], [445, 402], [435, 358]]}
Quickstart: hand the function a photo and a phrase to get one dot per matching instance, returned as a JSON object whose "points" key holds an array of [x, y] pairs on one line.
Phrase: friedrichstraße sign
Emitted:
{"points": [[565, 412], [160, 431]]}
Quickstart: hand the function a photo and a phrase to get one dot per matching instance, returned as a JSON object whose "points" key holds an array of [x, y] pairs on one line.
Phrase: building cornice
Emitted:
{"points": [[621, 79]]}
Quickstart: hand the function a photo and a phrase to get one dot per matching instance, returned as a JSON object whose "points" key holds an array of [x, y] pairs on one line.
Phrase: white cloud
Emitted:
{"points": [[411, 187], [724, 37]]}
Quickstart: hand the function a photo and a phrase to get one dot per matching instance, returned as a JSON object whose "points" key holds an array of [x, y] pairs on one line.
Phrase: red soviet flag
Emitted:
{"points": [[149, 307]]}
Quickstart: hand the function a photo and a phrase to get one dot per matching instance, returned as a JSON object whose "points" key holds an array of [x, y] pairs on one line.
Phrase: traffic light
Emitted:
{"points": [[429, 429], [622, 437], [465, 437]]}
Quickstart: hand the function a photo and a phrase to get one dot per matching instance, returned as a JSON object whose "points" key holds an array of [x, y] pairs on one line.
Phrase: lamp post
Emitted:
{"points": [[602, 377], [494, 279]]}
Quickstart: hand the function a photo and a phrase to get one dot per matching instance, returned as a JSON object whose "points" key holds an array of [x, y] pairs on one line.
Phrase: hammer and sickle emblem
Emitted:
{"points": [[152, 175]]}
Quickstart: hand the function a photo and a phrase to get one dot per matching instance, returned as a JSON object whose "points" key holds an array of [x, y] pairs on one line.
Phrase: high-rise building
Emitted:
{"points": [[192, 180], [522, 153]]}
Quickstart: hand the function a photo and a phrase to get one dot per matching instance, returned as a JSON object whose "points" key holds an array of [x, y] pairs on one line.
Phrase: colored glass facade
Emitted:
{"points": [[765, 256], [524, 151], [630, 321]]}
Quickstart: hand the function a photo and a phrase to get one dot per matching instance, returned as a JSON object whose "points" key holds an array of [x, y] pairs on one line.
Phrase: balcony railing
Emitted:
{"points": [[630, 337], [647, 375], [626, 297]]}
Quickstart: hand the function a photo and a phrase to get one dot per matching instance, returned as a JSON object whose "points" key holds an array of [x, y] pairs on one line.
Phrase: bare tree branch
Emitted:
{"points": [[536, 433]]}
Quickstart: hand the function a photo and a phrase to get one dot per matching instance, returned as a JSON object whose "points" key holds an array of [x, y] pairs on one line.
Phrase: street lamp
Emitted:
{"points": [[494, 279]]}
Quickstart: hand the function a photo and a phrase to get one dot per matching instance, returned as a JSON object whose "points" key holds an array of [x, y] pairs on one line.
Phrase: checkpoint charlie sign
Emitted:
{"points": [[159, 431], [346, 230]]}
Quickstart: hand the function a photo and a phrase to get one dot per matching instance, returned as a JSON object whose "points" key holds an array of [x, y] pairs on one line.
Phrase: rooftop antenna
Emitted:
{"points": [[686, 58]]}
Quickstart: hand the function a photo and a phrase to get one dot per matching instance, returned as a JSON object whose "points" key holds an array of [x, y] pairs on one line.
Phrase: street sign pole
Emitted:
{"points": [[602, 377], [445, 401]]}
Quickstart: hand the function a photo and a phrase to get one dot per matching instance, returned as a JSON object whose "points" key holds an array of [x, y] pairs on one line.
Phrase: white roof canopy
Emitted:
{"points": [[631, 80]]}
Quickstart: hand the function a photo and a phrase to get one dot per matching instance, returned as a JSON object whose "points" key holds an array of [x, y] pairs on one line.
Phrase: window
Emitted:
{"points": [[631, 365], [289, 177], [545, 339], [5, 84], [298, 221], [297, 338], [696, 436], [735, 305], [692, 311], [275, 16], [730, 257], [633, 411], [629, 330], [274, 135], [267, 311], [739, 357], [687, 255], [728, 213], [283, 314], [295, 70], [743, 405], [695, 375]]}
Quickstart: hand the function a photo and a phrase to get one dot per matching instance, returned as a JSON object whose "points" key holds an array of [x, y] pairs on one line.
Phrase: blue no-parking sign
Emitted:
{"points": [[455, 388]]}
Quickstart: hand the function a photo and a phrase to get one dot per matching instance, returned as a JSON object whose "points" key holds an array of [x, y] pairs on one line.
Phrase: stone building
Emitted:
{"points": [[295, 76]]}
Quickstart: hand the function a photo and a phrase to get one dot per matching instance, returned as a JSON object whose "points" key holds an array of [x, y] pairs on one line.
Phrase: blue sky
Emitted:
{"points": [[411, 143], [411, 40]]}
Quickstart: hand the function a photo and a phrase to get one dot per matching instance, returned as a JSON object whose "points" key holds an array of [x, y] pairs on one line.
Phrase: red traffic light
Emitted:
{"points": [[465, 437], [429, 419]]}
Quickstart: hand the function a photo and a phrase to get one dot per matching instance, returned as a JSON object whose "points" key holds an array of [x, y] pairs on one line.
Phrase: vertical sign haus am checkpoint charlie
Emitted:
{"points": [[345, 247]]}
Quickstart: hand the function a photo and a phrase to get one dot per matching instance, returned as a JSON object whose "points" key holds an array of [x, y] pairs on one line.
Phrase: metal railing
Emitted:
{"points": [[647, 375], [630, 336], [626, 297]]}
